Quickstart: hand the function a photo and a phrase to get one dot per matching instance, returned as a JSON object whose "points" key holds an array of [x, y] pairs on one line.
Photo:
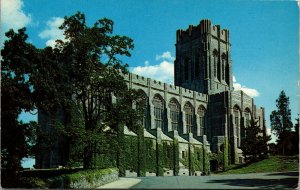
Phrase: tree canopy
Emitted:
{"points": [[255, 146], [82, 76], [282, 125], [281, 118]]}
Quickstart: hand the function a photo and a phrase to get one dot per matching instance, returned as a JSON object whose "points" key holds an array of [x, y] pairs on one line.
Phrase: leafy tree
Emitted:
{"points": [[254, 146], [96, 87], [30, 81], [281, 122], [16, 96]]}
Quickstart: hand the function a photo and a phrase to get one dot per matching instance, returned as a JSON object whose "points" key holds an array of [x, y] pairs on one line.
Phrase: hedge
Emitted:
{"points": [[84, 179]]}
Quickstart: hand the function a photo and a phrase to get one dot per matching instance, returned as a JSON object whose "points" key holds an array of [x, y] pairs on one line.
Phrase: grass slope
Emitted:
{"points": [[272, 164]]}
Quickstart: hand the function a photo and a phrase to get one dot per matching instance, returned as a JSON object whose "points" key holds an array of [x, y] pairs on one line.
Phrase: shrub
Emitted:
{"points": [[85, 179]]}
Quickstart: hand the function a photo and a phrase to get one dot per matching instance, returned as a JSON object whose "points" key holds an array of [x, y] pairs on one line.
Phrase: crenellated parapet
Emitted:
{"points": [[139, 82], [203, 60], [205, 27]]}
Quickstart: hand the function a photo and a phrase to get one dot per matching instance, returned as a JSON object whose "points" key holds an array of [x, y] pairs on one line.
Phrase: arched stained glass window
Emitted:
{"points": [[158, 111], [186, 68], [197, 65], [174, 111], [188, 110], [142, 106], [202, 118], [236, 113], [247, 117]]}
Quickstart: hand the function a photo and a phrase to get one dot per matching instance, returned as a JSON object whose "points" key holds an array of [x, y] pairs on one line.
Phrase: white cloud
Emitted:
{"points": [[52, 32], [273, 136], [163, 71], [12, 15], [233, 79], [165, 56], [249, 91]]}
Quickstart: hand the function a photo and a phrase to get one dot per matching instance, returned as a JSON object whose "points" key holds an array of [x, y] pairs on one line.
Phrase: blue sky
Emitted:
{"points": [[263, 34]]}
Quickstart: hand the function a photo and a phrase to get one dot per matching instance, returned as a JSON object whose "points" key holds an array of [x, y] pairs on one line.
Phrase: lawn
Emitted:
{"points": [[272, 164]]}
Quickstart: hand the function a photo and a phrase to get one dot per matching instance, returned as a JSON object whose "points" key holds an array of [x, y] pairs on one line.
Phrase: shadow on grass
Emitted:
{"points": [[259, 183], [235, 167]]}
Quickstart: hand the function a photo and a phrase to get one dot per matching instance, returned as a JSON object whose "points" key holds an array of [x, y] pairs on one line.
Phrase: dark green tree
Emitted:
{"points": [[254, 145], [295, 139], [95, 78], [281, 123], [16, 96], [30, 81]]}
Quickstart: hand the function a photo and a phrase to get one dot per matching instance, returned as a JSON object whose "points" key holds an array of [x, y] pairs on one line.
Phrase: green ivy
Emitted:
{"points": [[197, 159], [206, 163], [176, 157], [185, 161], [159, 159], [229, 153], [131, 154], [225, 159], [150, 155], [168, 156], [141, 170], [121, 158]]}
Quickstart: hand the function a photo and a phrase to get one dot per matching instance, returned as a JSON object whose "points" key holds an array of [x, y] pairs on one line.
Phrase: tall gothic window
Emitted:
{"points": [[247, 120], [223, 66], [247, 117], [202, 127], [197, 65], [188, 110], [215, 66], [142, 106], [223, 69], [215, 60], [227, 73], [158, 112], [174, 111], [237, 125], [186, 68], [219, 70]]}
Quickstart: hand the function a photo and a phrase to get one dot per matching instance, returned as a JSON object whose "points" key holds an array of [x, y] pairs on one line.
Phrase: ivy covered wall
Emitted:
{"points": [[197, 159], [176, 157], [150, 155], [168, 155]]}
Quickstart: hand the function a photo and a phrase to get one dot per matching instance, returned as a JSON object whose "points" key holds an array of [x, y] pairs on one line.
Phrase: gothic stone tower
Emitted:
{"points": [[203, 58], [203, 64]]}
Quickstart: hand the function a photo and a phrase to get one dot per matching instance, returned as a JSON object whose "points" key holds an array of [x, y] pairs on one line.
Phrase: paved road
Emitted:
{"points": [[241, 181]]}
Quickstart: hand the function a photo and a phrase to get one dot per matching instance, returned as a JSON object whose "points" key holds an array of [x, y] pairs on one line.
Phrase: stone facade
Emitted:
{"points": [[201, 108]]}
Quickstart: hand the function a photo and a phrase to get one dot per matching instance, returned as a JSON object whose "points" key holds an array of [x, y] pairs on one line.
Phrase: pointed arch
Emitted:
{"points": [[224, 65], [174, 107], [215, 62], [202, 121], [158, 106], [189, 116], [198, 63], [143, 106], [186, 64], [248, 116], [237, 123]]}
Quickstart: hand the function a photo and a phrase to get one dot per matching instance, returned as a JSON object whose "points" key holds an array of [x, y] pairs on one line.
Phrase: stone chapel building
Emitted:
{"points": [[202, 107]]}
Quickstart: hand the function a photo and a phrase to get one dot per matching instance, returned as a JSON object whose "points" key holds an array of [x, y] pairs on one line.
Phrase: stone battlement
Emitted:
{"points": [[205, 27]]}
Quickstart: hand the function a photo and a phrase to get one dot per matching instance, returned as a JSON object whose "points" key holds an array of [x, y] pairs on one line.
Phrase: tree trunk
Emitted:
{"points": [[87, 157]]}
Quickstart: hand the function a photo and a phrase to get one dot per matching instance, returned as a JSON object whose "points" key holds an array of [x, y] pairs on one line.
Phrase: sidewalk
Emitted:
{"points": [[122, 183]]}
